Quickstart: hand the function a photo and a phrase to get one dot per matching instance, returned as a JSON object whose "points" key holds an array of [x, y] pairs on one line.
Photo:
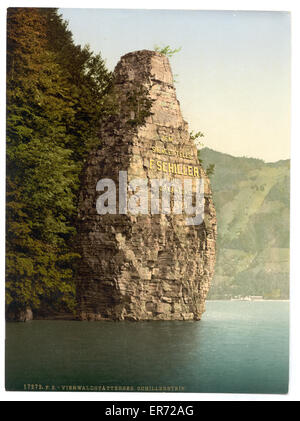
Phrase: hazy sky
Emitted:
{"points": [[233, 71]]}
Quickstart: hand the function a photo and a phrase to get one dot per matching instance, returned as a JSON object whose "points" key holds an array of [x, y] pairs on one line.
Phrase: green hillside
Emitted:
{"points": [[252, 204]]}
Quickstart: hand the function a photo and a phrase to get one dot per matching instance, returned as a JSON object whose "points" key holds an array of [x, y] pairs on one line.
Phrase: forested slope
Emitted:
{"points": [[252, 204]]}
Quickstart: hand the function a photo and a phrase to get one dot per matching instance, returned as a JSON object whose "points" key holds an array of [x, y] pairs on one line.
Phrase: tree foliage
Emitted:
{"points": [[167, 50], [195, 137], [56, 96]]}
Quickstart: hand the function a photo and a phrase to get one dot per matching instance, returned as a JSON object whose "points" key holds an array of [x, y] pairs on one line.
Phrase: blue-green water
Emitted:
{"points": [[238, 347]]}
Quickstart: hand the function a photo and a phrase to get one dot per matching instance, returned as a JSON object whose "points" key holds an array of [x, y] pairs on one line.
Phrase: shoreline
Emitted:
{"points": [[236, 299], [71, 317]]}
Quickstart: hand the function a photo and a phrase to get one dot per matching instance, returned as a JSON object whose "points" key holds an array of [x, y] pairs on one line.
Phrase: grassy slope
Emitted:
{"points": [[252, 203]]}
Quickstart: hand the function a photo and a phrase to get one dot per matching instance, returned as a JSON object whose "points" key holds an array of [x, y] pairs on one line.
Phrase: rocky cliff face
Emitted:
{"points": [[143, 266]]}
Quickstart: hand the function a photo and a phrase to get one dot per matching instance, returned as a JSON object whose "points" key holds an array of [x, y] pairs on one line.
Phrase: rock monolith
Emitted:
{"points": [[143, 266]]}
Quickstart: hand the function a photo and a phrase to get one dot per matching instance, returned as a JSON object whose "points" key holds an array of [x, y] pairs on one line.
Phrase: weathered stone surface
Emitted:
{"points": [[20, 315], [143, 267]]}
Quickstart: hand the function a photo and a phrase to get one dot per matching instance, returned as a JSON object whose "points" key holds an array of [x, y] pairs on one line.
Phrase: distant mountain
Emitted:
{"points": [[252, 204]]}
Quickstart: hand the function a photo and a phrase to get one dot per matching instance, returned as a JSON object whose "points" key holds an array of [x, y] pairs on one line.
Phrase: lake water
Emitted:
{"points": [[237, 347]]}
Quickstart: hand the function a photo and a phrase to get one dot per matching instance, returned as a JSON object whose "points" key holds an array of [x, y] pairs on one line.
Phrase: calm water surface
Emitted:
{"points": [[238, 347]]}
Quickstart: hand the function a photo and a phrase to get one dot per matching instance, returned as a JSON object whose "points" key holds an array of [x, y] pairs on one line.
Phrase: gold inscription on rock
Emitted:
{"points": [[172, 152], [173, 168], [167, 139]]}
